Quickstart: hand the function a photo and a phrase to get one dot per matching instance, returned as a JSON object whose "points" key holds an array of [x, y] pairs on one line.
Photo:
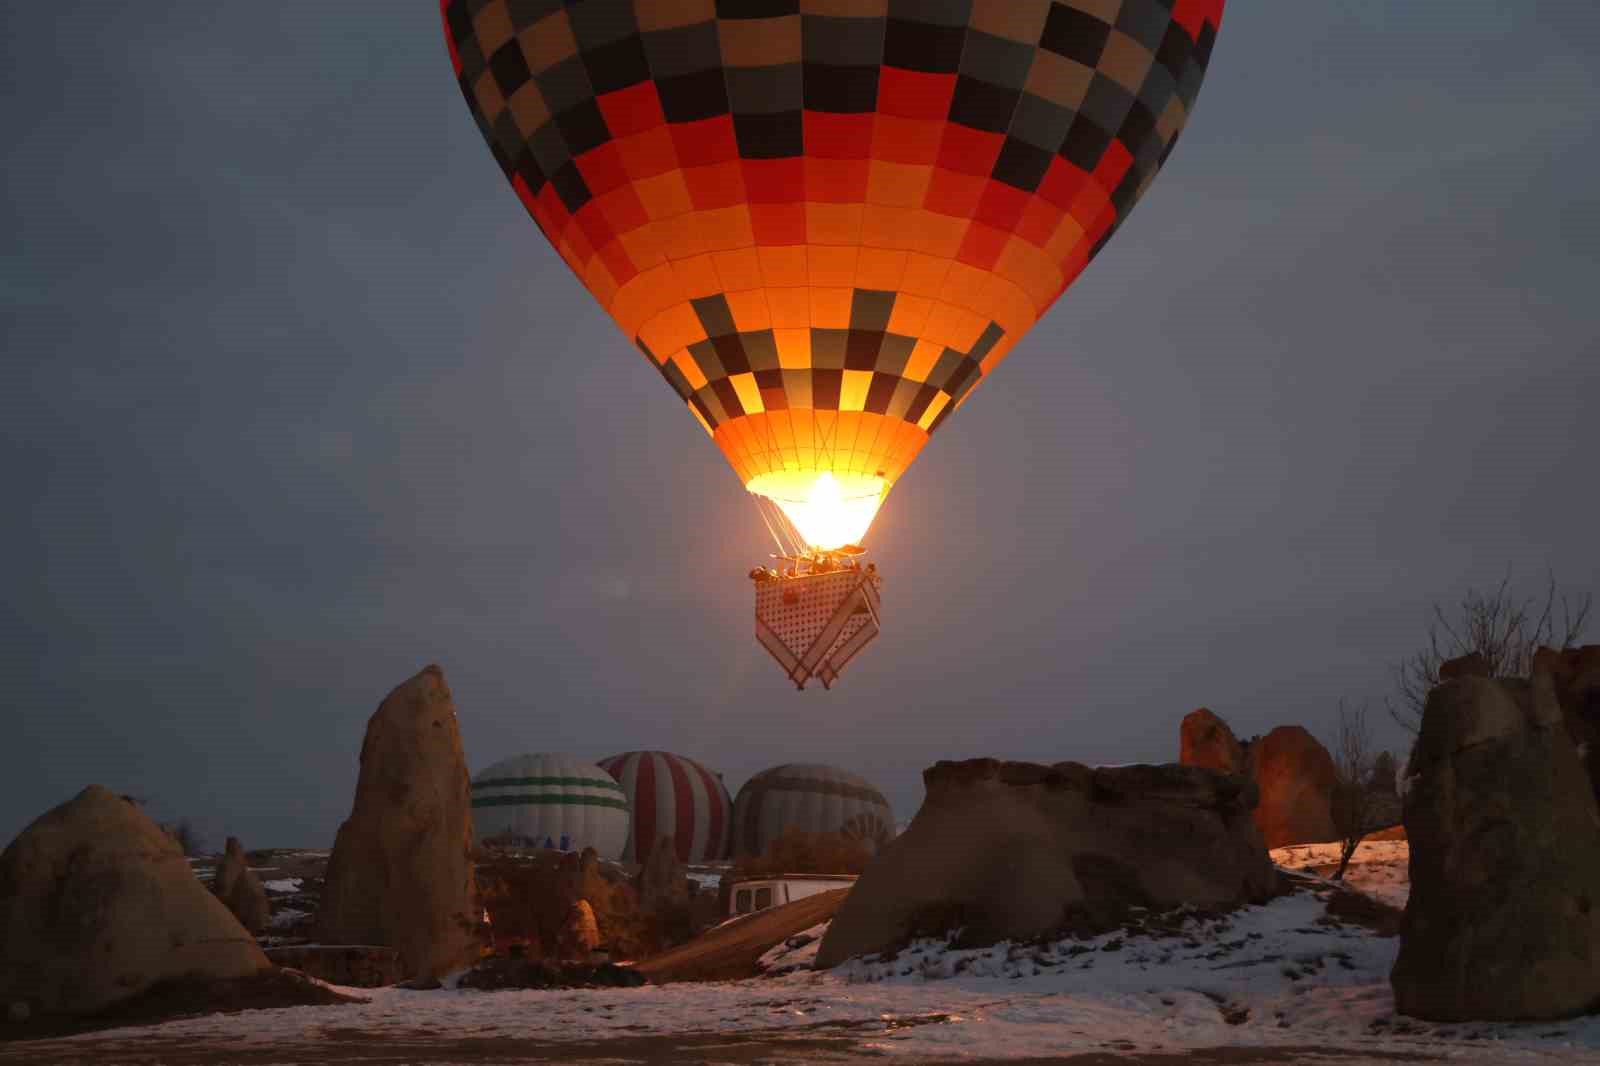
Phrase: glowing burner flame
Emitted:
{"points": [[828, 511]]}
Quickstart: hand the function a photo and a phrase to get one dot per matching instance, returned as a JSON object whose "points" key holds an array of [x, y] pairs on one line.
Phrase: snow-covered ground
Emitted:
{"points": [[1282, 975]]}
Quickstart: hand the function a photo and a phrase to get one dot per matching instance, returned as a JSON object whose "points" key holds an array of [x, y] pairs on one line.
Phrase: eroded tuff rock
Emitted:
{"points": [[238, 887], [97, 904], [1205, 740], [1296, 776], [1575, 678], [1016, 850], [1503, 922], [401, 871]]}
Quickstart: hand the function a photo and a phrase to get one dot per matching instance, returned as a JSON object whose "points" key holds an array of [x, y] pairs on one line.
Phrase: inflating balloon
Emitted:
{"points": [[825, 222]]}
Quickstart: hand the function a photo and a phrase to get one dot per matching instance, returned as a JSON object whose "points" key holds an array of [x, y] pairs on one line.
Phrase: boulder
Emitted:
{"points": [[1575, 678], [1205, 740], [401, 871], [97, 904], [1470, 665], [1296, 776], [1009, 850], [580, 933], [1503, 921], [238, 887]]}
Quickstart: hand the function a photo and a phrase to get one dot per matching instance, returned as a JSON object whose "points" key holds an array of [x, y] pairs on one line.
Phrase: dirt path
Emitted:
{"points": [[730, 952]]}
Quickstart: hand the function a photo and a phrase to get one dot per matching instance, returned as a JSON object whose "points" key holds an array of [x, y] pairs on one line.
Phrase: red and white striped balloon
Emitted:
{"points": [[671, 795]]}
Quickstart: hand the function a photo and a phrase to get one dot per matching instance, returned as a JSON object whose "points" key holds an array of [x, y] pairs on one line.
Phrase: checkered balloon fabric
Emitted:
{"points": [[824, 222]]}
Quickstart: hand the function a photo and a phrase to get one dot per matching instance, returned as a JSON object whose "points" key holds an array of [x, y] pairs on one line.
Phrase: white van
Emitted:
{"points": [[749, 895]]}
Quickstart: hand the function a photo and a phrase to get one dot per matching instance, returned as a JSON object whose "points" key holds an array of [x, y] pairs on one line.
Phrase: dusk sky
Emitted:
{"points": [[280, 423]]}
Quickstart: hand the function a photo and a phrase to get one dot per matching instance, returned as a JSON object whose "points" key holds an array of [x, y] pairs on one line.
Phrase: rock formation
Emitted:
{"points": [[1293, 773], [1470, 665], [97, 904], [1205, 740], [662, 882], [401, 870], [237, 886], [1296, 776], [1575, 677], [1503, 921], [580, 933], [1016, 850]]}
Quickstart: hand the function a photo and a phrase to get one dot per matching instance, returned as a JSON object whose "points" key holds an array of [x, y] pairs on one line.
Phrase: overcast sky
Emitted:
{"points": [[277, 426]]}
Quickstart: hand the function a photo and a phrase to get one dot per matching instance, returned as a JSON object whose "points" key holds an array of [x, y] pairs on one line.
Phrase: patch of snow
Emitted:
{"points": [[286, 917], [283, 886], [1379, 868], [798, 952]]}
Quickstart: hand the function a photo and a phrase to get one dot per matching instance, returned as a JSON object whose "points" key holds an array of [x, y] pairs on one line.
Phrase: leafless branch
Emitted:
{"points": [[1357, 804], [1501, 629]]}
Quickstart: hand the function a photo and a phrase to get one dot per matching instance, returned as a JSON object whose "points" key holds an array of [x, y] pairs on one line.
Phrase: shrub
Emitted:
{"points": [[800, 852]]}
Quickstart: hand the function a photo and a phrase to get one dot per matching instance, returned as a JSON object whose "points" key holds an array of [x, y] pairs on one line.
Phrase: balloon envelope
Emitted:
{"points": [[550, 801], [673, 796], [813, 799], [825, 222]]}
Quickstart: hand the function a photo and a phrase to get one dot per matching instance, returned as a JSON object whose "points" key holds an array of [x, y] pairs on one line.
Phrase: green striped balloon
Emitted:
{"points": [[550, 800]]}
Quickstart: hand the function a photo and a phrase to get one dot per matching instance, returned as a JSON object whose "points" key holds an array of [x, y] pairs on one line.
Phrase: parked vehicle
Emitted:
{"points": [[752, 894]]}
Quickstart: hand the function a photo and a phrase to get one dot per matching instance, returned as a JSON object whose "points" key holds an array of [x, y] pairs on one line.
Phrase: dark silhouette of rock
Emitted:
{"points": [[662, 883], [1503, 921], [1296, 776], [1470, 665], [1017, 850], [349, 965], [98, 904], [238, 887], [1575, 678], [1205, 740], [401, 870]]}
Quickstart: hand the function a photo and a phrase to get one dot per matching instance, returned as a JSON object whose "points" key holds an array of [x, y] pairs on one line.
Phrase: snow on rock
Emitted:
{"points": [[798, 952], [283, 886]]}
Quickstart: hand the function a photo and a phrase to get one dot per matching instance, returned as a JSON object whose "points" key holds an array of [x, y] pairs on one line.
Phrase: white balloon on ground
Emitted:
{"points": [[550, 800]]}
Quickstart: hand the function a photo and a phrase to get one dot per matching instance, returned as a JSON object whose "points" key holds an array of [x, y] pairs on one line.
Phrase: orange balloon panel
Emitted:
{"points": [[824, 222]]}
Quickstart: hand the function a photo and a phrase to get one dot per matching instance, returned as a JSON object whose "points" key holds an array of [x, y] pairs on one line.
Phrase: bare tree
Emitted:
{"points": [[1357, 805], [1495, 625]]}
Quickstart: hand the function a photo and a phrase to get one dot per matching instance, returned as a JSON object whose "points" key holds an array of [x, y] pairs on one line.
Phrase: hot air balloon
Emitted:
{"points": [[550, 801], [825, 222], [672, 796], [812, 798]]}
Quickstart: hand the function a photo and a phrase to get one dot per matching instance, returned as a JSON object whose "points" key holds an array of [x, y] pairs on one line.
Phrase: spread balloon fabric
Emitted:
{"points": [[824, 222]]}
